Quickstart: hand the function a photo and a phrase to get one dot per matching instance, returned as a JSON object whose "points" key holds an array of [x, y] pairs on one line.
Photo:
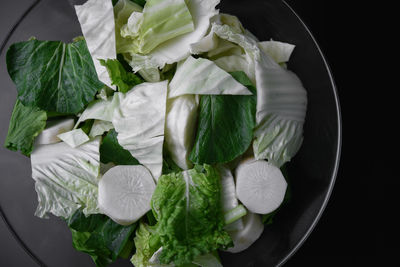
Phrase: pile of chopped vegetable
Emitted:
{"points": [[159, 135]]}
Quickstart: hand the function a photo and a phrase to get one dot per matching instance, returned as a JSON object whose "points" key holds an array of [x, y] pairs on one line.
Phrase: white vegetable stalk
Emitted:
{"points": [[54, 128], [252, 230], [125, 193]]}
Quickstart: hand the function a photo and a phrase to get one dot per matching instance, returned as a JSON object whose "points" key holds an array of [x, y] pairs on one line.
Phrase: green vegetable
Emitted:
{"points": [[25, 124], [99, 236], [187, 206], [225, 126], [147, 242], [160, 21], [66, 178], [112, 151], [119, 76], [52, 75]]}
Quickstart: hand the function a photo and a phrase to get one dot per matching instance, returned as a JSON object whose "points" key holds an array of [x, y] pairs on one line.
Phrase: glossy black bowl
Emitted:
{"points": [[312, 172]]}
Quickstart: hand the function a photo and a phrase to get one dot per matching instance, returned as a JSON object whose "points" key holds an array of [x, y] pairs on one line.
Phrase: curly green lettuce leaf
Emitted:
{"points": [[112, 151], [53, 76], [147, 243], [25, 124], [187, 207], [97, 23], [66, 178], [123, 79], [225, 125], [100, 237]]}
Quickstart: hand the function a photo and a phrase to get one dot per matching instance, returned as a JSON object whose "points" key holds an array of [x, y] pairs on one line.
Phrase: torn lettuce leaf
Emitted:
{"points": [[112, 151], [139, 121], [66, 178], [100, 237], [123, 79], [280, 52], [26, 123], [225, 125], [99, 127], [146, 243], [203, 77], [53, 76], [178, 48], [160, 21], [123, 10], [99, 110], [180, 128], [281, 99], [74, 138], [187, 207], [96, 18], [281, 110]]}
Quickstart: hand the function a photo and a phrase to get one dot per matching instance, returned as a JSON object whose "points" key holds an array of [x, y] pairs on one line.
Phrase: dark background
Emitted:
{"points": [[356, 228]]}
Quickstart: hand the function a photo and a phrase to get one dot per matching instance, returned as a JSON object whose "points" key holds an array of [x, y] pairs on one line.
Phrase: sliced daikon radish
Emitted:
{"points": [[260, 186], [74, 138], [125, 193], [54, 128], [229, 199], [252, 230]]}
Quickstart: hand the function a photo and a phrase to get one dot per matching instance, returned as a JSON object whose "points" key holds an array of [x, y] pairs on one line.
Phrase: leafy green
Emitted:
{"points": [[160, 21], [187, 206], [25, 124], [146, 243], [96, 19], [139, 2], [119, 76], [202, 76], [66, 178], [112, 151], [99, 236], [52, 75], [225, 126]]}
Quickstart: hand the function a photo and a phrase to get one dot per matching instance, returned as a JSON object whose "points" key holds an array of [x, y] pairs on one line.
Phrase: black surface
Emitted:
{"points": [[344, 236]]}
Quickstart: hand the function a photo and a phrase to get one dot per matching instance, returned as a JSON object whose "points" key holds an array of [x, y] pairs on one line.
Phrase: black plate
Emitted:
{"points": [[312, 171]]}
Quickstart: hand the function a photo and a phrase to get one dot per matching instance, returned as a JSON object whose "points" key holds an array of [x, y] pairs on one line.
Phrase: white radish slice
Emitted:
{"points": [[125, 193], [54, 128], [260, 186], [229, 199], [252, 230]]}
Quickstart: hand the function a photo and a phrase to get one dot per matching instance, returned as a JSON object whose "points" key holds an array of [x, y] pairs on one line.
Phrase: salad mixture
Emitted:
{"points": [[161, 134]]}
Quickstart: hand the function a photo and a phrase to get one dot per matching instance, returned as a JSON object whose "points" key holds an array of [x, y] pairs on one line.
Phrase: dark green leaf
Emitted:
{"points": [[99, 236], [112, 151], [225, 126], [25, 124], [52, 75], [119, 76], [87, 126], [139, 2]]}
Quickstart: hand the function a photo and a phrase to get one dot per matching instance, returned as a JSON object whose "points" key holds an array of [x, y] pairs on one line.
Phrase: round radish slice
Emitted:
{"points": [[260, 186], [252, 230], [125, 193]]}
